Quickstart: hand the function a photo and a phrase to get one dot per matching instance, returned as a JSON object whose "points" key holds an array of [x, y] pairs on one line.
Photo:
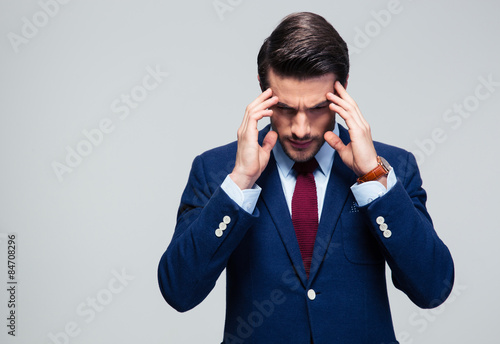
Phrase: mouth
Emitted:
{"points": [[300, 144]]}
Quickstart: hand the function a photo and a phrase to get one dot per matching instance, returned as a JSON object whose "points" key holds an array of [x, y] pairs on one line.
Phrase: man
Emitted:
{"points": [[304, 214]]}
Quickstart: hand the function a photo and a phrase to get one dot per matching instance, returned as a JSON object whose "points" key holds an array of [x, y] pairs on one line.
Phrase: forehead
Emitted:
{"points": [[310, 91]]}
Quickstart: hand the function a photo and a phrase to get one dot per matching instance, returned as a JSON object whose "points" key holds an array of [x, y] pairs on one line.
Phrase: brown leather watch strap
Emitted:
{"points": [[379, 171]]}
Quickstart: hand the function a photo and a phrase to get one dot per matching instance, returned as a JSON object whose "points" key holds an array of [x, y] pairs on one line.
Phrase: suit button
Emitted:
{"points": [[218, 232], [383, 227], [380, 220], [311, 294], [222, 226], [226, 219], [387, 234]]}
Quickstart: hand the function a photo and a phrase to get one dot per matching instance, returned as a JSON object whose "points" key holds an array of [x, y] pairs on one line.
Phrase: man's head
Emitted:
{"points": [[300, 62], [302, 46]]}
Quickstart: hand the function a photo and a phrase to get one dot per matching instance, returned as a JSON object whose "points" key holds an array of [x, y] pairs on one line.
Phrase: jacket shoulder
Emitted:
{"points": [[389, 150], [221, 152], [403, 162], [216, 163]]}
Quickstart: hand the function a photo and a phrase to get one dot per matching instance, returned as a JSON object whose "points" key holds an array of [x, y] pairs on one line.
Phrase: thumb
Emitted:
{"points": [[335, 141], [269, 141]]}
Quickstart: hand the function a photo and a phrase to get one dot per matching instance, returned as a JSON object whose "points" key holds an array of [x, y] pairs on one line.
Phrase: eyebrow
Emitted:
{"points": [[322, 104]]}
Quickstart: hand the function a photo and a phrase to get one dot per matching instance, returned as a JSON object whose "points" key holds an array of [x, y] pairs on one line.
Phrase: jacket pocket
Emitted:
{"points": [[360, 246]]}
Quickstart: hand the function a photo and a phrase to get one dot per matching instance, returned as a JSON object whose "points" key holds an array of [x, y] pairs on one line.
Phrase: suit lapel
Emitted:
{"points": [[275, 202], [337, 192]]}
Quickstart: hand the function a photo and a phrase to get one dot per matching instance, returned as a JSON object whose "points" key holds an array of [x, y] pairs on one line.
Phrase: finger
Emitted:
{"points": [[264, 95], [267, 104], [334, 141], [261, 104], [269, 141], [349, 105], [342, 93], [350, 116], [340, 101], [260, 115], [257, 112], [261, 98], [264, 107], [250, 126]]}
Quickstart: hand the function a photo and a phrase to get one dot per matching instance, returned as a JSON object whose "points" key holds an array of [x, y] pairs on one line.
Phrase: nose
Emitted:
{"points": [[300, 126]]}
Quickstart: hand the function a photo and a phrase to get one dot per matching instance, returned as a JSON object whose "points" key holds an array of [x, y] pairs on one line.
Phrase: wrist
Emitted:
{"points": [[379, 173], [383, 180], [368, 168], [242, 181]]}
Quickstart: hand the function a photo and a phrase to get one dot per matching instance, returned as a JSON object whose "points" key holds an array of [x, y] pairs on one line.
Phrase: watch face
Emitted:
{"points": [[385, 164]]}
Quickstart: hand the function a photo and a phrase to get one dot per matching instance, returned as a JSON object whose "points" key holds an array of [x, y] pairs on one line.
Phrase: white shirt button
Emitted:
{"points": [[222, 226], [387, 234], [218, 232], [311, 294], [380, 220], [226, 219], [383, 227]]}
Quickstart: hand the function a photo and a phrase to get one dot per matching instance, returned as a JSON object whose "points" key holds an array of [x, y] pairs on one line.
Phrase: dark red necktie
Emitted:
{"points": [[305, 209]]}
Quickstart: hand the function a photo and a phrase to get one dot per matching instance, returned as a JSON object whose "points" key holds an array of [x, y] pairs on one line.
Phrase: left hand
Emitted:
{"points": [[359, 155]]}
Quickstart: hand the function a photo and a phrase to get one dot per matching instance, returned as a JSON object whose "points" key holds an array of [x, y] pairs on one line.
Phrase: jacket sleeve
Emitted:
{"points": [[421, 264], [196, 256]]}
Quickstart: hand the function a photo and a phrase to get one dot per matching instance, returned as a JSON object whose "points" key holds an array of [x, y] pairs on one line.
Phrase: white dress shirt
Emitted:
{"points": [[363, 193]]}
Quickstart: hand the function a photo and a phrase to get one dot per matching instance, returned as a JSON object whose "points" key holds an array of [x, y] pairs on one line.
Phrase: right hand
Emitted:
{"points": [[251, 158]]}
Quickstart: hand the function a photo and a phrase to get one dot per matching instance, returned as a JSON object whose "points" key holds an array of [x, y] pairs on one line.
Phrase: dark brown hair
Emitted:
{"points": [[303, 45]]}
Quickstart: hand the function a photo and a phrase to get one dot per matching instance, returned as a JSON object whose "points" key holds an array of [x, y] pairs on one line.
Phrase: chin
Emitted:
{"points": [[301, 156]]}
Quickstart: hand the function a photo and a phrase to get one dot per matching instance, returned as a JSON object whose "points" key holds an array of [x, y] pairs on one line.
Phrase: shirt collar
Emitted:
{"points": [[324, 156]]}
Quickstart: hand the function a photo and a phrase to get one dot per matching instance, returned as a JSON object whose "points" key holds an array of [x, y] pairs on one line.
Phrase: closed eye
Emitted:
{"points": [[285, 109], [320, 108]]}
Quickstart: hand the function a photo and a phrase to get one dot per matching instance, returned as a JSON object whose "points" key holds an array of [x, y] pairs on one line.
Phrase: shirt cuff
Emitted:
{"points": [[246, 199], [367, 192]]}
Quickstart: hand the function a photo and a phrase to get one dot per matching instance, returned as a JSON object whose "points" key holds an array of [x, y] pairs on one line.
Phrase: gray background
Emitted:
{"points": [[115, 212]]}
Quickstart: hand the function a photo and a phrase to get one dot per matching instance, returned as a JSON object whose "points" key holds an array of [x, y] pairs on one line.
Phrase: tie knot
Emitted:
{"points": [[306, 167]]}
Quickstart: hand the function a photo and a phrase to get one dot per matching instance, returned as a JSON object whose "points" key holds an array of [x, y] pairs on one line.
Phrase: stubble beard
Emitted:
{"points": [[299, 155]]}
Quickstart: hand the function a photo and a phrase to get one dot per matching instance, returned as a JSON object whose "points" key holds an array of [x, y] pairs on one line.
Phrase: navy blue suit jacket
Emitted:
{"points": [[269, 297]]}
